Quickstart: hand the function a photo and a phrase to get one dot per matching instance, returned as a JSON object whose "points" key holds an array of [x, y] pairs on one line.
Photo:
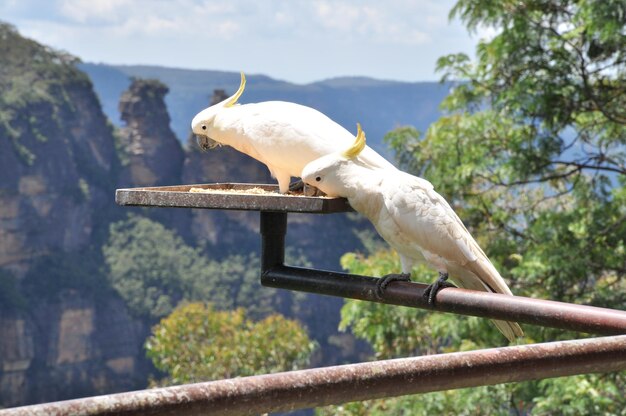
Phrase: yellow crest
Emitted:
{"points": [[358, 146], [233, 100]]}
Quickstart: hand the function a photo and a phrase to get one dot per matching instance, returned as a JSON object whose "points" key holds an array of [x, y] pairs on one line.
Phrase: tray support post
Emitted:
{"points": [[273, 231]]}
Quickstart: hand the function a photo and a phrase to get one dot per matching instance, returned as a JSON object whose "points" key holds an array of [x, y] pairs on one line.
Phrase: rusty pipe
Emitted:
{"points": [[548, 313], [553, 314], [347, 383]]}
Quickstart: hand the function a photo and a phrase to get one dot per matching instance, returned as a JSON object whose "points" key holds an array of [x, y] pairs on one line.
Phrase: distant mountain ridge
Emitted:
{"points": [[379, 105]]}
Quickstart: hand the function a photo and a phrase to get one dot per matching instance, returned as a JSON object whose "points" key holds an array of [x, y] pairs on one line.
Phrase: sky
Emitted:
{"points": [[299, 41]]}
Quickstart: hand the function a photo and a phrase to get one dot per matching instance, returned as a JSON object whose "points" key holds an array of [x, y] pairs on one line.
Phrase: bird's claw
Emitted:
{"points": [[296, 186], [384, 281], [300, 188], [312, 191], [441, 283]]}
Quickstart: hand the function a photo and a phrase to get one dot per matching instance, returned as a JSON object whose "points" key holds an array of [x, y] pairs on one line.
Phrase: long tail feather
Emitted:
{"points": [[469, 280]]}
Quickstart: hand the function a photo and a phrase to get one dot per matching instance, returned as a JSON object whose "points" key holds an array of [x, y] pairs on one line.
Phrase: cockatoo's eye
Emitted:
{"points": [[318, 178], [203, 127]]}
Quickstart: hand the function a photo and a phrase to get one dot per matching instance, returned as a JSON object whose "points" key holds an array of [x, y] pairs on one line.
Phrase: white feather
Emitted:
{"points": [[284, 136], [415, 220]]}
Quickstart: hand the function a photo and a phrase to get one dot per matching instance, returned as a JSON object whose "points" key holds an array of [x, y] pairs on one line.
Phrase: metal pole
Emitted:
{"points": [[553, 314], [347, 383], [273, 230]]}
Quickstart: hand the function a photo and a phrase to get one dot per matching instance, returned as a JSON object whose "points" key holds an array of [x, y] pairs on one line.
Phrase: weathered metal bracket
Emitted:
{"points": [[363, 381], [274, 209], [561, 315]]}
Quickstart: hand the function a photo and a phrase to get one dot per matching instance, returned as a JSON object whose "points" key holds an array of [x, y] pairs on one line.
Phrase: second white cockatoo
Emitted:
{"points": [[284, 136], [414, 219]]}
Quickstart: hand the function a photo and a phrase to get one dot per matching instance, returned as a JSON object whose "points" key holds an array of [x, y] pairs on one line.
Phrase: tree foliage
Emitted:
{"points": [[533, 148], [33, 76], [198, 343], [399, 332], [153, 270], [52, 274], [10, 297], [149, 264], [531, 152]]}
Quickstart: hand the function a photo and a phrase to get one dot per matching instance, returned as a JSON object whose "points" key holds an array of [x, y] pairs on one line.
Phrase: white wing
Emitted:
{"points": [[428, 220], [288, 136]]}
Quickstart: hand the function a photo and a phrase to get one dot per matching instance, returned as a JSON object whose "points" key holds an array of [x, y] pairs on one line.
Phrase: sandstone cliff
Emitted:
{"points": [[63, 331], [56, 153], [58, 165], [150, 153], [153, 154]]}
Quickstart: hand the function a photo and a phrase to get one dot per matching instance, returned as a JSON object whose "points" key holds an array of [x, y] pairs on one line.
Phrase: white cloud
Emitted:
{"points": [[211, 7], [283, 18], [152, 17], [227, 29], [379, 22], [145, 25], [9, 4], [292, 39], [338, 16], [83, 11], [400, 22]]}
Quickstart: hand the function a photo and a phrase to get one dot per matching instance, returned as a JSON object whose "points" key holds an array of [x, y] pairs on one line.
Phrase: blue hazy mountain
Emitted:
{"points": [[378, 105]]}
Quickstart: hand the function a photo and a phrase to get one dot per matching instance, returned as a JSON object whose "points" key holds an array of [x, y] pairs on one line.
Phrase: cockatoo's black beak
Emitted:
{"points": [[206, 143]]}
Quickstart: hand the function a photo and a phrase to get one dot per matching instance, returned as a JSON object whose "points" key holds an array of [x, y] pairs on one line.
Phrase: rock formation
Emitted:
{"points": [[56, 153], [153, 156], [64, 332], [58, 169], [150, 153]]}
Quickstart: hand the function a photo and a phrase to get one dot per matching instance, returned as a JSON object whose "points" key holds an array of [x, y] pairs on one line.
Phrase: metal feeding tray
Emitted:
{"points": [[232, 196]]}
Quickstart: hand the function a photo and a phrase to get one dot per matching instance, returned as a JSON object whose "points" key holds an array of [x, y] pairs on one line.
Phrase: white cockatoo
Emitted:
{"points": [[414, 219], [284, 136]]}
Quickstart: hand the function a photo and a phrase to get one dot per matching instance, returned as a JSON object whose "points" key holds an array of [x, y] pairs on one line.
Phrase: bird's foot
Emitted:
{"points": [[384, 281], [431, 291], [296, 186], [300, 188], [312, 191]]}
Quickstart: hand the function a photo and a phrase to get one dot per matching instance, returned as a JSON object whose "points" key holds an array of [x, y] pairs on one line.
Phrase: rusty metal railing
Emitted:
{"points": [[364, 381], [561, 315], [347, 383]]}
